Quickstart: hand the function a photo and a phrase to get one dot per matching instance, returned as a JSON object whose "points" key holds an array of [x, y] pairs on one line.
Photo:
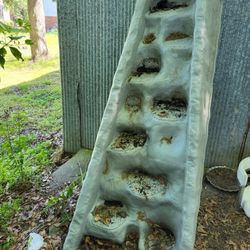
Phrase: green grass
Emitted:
{"points": [[30, 113], [30, 130], [39, 98], [17, 72]]}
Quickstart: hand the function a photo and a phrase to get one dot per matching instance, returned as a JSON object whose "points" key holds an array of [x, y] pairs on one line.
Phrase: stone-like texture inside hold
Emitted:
{"points": [[176, 36], [129, 140], [149, 38], [144, 185], [148, 66], [110, 212], [170, 108], [159, 239]]}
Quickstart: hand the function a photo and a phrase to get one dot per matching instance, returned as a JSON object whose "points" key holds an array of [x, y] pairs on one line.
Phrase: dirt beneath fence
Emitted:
{"points": [[222, 225]]}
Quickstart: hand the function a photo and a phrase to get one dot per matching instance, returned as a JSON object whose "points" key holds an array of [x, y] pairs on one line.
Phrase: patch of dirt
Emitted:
{"points": [[32, 217], [129, 140], [167, 5], [59, 157], [145, 185], [222, 225], [109, 212], [17, 91], [172, 108], [92, 243], [223, 178], [159, 238], [176, 36], [149, 38], [147, 66]]}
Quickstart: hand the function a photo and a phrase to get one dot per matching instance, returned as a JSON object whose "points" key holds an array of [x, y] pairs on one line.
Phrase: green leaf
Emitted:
{"points": [[28, 42], [20, 22], [16, 53], [2, 61], [15, 37], [4, 28], [3, 52]]}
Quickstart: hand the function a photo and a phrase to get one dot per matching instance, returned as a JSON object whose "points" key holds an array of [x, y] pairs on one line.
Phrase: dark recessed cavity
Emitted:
{"points": [[145, 185], [129, 140], [112, 203], [109, 212], [149, 38], [175, 107], [164, 5], [133, 103], [176, 36], [148, 66], [93, 243], [159, 238]]}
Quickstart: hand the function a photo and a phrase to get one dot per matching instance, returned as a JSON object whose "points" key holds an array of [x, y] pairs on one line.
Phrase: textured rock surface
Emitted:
{"points": [[149, 153]]}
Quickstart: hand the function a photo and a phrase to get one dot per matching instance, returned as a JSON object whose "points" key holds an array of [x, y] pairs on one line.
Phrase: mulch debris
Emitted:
{"points": [[129, 140]]}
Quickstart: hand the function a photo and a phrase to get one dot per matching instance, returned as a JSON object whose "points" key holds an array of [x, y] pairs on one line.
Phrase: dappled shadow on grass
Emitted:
{"points": [[27, 71], [39, 99], [51, 78]]}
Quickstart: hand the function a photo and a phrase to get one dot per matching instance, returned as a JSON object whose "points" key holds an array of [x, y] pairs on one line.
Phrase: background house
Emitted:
{"points": [[50, 12]]}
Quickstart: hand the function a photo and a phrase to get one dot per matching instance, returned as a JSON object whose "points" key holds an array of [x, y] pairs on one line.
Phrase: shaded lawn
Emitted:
{"points": [[40, 99]]}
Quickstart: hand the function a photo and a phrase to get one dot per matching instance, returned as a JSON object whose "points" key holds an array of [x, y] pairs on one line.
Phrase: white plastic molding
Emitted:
{"points": [[242, 172], [245, 200], [243, 175], [148, 159]]}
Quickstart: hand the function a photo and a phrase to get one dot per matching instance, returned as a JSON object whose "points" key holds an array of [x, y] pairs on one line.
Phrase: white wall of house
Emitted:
{"points": [[50, 8]]}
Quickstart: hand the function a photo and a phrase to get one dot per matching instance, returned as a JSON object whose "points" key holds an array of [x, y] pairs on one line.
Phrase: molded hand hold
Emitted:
{"points": [[242, 174]]}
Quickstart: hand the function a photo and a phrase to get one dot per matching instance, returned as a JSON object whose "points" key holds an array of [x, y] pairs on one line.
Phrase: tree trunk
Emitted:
{"points": [[1, 9], [37, 31]]}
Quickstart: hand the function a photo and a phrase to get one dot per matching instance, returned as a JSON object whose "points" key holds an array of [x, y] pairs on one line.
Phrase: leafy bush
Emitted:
{"points": [[10, 39]]}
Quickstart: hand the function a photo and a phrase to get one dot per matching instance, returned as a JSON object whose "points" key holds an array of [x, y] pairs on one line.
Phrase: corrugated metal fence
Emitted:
{"points": [[92, 34]]}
